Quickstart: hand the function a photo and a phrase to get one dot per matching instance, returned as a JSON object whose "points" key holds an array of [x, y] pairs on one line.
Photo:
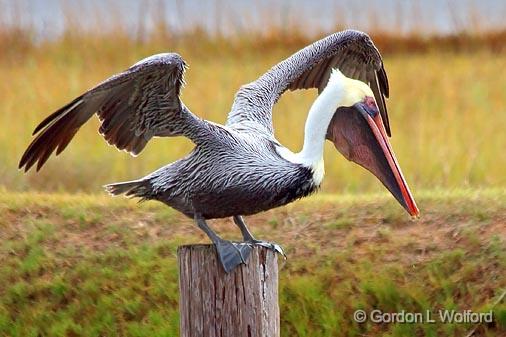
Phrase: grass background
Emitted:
{"points": [[75, 262], [89, 265]]}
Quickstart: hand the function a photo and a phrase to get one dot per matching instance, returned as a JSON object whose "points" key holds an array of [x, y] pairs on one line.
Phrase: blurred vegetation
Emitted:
{"points": [[88, 265], [447, 103]]}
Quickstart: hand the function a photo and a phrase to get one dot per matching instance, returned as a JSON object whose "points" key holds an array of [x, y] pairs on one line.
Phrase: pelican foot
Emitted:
{"points": [[270, 245], [232, 254]]}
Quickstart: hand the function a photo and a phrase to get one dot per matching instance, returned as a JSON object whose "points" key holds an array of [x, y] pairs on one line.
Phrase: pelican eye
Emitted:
{"points": [[370, 106]]}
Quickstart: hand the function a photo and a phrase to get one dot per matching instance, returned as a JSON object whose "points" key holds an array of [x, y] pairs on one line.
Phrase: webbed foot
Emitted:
{"points": [[232, 254]]}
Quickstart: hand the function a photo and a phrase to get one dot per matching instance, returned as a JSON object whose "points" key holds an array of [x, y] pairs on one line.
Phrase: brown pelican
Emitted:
{"points": [[240, 168]]}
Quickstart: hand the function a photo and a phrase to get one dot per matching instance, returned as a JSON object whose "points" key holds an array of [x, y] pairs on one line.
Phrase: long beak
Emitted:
{"points": [[362, 139], [405, 198]]}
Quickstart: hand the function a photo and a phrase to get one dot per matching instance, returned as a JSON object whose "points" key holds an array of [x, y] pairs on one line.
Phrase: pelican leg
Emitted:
{"points": [[231, 254], [248, 237]]}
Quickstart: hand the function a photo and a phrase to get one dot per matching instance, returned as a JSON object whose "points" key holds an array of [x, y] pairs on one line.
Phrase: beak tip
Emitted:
{"points": [[414, 212]]}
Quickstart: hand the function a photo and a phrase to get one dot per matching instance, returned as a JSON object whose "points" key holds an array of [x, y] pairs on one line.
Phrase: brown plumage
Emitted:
{"points": [[132, 106], [240, 168]]}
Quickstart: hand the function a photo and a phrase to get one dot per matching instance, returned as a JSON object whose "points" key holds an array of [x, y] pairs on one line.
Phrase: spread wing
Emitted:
{"points": [[133, 106], [352, 52]]}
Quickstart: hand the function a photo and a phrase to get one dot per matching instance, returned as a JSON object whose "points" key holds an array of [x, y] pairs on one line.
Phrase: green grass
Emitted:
{"points": [[89, 265]]}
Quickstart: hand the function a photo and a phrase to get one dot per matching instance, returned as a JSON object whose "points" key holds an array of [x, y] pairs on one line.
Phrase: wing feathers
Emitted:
{"points": [[375, 87], [55, 115], [133, 106], [58, 131], [351, 51], [383, 80]]}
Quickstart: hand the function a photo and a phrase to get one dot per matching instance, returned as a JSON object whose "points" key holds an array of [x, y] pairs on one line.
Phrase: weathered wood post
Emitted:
{"points": [[215, 304]]}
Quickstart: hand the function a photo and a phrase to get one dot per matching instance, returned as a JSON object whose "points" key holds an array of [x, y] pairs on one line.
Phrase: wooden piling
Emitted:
{"points": [[212, 303]]}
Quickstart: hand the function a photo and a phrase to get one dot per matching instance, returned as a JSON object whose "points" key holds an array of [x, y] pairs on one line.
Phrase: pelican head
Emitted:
{"points": [[358, 133]]}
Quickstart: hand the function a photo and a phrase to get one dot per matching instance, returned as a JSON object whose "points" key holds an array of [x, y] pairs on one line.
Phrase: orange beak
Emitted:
{"points": [[358, 133]]}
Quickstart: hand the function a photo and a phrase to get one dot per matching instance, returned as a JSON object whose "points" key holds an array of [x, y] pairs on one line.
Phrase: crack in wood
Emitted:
{"points": [[243, 303]]}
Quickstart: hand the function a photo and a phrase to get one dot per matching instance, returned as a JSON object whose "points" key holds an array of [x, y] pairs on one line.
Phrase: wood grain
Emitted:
{"points": [[216, 304]]}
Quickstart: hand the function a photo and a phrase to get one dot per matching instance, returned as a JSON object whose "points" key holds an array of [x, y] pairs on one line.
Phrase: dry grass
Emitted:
{"points": [[447, 101], [75, 264], [447, 110]]}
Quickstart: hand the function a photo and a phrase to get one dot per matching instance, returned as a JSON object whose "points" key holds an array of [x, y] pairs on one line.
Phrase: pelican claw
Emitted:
{"points": [[269, 245]]}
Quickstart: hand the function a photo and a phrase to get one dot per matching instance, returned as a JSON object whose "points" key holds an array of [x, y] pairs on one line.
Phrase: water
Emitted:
{"points": [[49, 18]]}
